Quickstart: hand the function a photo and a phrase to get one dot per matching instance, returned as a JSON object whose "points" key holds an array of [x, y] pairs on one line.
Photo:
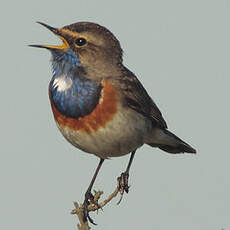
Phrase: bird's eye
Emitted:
{"points": [[80, 41]]}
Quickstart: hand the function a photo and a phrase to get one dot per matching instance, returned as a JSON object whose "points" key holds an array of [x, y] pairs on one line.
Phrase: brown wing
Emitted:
{"points": [[136, 97]]}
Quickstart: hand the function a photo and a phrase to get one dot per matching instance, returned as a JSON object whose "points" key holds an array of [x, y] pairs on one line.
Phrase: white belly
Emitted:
{"points": [[122, 135]]}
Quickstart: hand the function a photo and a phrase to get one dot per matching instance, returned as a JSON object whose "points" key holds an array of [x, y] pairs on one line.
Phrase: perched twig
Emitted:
{"points": [[79, 212], [92, 207]]}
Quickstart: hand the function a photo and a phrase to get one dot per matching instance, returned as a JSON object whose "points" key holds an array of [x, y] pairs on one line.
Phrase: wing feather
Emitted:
{"points": [[136, 97]]}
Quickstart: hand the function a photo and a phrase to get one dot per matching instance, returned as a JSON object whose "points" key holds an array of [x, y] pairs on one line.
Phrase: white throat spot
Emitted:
{"points": [[62, 83]]}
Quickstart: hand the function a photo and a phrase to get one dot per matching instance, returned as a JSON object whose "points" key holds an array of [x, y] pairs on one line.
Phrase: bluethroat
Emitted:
{"points": [[98, 104]]}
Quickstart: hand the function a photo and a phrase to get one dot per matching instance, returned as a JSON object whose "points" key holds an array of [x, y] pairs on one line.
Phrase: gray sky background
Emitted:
{"points": [[180, 51]]}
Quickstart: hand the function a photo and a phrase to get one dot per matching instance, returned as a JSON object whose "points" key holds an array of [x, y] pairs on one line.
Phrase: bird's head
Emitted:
{"points": [[87, 45]]}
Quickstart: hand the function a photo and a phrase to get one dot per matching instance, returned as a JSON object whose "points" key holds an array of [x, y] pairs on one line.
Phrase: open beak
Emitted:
{"points": [[57, 32]]}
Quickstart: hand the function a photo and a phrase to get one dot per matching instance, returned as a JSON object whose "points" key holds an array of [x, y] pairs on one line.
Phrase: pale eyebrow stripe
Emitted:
{"points": [[68, 32]]}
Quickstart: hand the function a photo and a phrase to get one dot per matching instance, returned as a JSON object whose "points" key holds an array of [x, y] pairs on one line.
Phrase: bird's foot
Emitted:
{"points": [[123, 185], [90, 199]]}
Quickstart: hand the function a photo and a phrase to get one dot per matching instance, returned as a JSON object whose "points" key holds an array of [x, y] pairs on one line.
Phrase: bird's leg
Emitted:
{"points": [[123, 178], [89, 198]]}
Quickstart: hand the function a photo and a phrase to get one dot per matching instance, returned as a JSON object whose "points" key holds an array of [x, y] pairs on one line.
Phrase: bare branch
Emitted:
{"points": [[92, 207]]}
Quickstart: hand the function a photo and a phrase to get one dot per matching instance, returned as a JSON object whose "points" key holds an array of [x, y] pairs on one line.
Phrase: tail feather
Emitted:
{"points": [[169, 142]]}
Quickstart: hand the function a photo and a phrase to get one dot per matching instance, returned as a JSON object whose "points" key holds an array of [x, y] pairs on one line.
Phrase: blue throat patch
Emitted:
{"points": [[72, 94]]}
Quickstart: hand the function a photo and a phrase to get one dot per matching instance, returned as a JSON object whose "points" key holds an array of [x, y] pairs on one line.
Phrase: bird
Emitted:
{"points": [[99, 105]]}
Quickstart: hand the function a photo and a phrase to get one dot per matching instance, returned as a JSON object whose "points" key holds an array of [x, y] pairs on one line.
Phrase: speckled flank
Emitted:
{"points": [[103, 112]]}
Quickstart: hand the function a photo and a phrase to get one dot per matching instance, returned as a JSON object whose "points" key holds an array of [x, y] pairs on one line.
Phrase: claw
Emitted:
{"points": [[120, 200], [123, 184], [89, 200]]}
